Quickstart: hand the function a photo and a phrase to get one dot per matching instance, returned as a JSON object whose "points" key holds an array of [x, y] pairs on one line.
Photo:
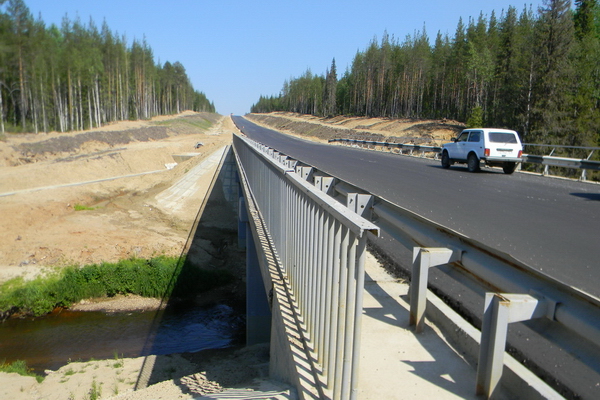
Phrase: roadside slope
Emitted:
{"points": [[426, 132], [103, 221]]}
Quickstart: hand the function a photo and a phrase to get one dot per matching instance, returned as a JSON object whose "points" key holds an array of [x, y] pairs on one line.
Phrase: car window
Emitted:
{"points": [[463, 137], [475, 137], [502, 137]]}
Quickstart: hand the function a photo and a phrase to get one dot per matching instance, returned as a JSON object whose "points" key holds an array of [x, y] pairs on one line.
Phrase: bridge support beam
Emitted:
{"points": [[258, 311]]}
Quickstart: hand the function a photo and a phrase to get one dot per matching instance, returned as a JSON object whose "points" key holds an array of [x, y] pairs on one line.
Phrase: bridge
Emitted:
{"points": [[306, 232]]}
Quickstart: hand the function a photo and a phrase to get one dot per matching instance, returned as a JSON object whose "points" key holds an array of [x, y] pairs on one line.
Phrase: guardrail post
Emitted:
{"points": [[499, 311], [361, 204], [291, 163], [546, 170], [305, 172], [423, 259], [325, 183]]}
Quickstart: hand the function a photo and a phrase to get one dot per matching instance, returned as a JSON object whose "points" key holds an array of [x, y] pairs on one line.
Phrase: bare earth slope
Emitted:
{"points": [[45, 181], [428, 132]]}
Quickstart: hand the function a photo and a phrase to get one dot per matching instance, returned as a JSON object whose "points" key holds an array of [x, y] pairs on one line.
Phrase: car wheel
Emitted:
{"points": [[445, 160], [473, 163], [509, 167]]}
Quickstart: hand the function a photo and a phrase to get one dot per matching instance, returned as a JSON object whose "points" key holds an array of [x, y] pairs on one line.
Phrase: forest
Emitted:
{"points": [[537, 72], [78, 76]]}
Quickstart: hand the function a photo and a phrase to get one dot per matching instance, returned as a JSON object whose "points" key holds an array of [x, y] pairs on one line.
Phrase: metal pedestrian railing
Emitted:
{"points": [[321, 249]]}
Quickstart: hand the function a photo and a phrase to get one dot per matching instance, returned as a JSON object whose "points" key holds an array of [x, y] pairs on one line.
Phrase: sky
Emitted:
{"points": [[237, 50]]}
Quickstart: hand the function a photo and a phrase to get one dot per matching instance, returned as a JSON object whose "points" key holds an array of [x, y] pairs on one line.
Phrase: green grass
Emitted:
{"points": [[95, 391], [118, 362], [80, 207], [19, 367], [157, 277]]}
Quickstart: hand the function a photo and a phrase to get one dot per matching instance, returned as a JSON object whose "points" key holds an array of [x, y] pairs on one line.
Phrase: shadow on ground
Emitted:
{"points": [[211, 254]]}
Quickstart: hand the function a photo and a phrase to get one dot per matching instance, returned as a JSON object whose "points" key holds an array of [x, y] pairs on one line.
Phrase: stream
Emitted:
{"points": [[52, 341]]}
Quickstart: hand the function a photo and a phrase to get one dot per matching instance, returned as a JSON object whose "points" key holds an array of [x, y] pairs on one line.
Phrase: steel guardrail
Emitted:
{"points": [[321, 248], [422, 149], [576, 312], [584, 164], [547, 161]]}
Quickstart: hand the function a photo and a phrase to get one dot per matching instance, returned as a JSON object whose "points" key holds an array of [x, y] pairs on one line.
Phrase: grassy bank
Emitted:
{"points": [[19, 367], [157, 277]]}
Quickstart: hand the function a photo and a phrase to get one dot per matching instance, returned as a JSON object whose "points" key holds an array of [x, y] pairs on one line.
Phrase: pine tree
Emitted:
{"points": [[587, 67], [77, 76], [584, 17], [21, 23], [553, 74], [537, 73], [329, 96]]}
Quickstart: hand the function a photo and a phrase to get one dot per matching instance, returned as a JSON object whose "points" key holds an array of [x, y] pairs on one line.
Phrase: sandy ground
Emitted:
{"points": [[173, 376], [43, 228]]}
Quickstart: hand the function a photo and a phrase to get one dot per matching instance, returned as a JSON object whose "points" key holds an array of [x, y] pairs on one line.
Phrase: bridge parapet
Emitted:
{"points": [[314, 259]]}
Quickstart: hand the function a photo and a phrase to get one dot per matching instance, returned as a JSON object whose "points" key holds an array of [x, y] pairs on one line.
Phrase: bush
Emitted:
{"points": [[158, 277], [476, 118]]}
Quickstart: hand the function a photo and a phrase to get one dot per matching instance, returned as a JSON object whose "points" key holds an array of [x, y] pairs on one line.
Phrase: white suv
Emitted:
{"points": [[496, 147]]}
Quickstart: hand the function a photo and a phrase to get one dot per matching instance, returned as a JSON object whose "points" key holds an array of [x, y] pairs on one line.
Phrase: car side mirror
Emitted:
{"points": [[454, 139]]}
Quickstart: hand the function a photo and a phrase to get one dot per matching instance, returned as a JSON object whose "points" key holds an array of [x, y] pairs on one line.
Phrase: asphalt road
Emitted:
{"points": [[552, 225]]}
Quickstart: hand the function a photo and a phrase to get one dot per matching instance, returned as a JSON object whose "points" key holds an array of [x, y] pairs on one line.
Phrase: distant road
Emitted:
{"points": [[552, 225]]}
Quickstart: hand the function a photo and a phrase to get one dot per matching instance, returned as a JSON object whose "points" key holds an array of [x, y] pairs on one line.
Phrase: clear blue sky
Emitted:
{"points": [[236, 50]]}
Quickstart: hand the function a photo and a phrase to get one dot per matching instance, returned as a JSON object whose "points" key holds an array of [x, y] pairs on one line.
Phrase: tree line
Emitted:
{"points": [[79, 76], [536, 72]]}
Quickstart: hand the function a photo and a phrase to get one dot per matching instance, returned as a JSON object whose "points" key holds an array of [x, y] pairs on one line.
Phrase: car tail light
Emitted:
{"points": [[520, 153], [486, 152]]}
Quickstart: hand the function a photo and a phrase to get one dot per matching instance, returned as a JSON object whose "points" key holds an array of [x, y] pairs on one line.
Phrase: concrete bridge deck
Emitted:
{"points": [[395, 362]]}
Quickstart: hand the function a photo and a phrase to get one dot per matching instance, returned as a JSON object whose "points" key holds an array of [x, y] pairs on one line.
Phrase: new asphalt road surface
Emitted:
{"points": [[552, 225]]}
